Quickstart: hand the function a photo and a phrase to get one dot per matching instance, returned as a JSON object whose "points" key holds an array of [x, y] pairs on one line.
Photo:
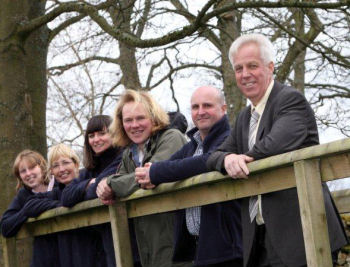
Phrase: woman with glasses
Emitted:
{"points": [[78, 247]]}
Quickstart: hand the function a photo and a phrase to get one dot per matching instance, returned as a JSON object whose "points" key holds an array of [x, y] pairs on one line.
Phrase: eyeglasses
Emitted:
{"points": [[63, 163]]}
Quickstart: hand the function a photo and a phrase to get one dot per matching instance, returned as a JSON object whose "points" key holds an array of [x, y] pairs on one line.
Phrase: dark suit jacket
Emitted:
{"points": [[287, 124]]}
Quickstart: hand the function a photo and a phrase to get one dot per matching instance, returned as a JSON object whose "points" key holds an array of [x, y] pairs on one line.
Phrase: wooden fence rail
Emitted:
{"points": [[304, 169]]}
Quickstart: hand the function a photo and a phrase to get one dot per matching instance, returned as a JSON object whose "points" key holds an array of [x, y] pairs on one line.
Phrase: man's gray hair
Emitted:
{"points": [[267, 51]]}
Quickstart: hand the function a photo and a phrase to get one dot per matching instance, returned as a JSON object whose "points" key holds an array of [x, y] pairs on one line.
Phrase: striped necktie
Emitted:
{"points": [[253, 201]]}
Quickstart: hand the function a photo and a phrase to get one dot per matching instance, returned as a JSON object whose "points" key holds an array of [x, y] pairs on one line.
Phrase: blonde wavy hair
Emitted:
{"points": [[158, 116]]}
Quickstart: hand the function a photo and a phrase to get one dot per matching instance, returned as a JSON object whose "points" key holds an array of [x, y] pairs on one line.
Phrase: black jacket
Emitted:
{"points": [[220, 230]]}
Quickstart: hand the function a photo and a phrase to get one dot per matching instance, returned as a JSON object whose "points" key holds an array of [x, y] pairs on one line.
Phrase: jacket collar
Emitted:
{"points": [[218, 128]]}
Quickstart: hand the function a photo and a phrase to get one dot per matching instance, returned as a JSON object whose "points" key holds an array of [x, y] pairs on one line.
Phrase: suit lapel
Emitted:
{"points": [[245, 125], [267, 111]]}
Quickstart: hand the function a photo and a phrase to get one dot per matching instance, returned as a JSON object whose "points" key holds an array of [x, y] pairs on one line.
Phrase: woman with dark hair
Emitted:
{"points": [[143, 126], [101, 159]]}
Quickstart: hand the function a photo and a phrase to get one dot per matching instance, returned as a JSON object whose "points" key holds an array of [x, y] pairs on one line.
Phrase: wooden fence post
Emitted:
{"points": [[120, 231], [313, 214], [9, 251]]}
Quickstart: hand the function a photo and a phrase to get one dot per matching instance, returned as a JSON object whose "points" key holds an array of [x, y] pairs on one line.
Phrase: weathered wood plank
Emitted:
{"points": [[214, 187], [313, 213], [333, 166], [86, 217], [224, 190], [120, 232], [342, 200], [86, 205], [9, 251], [211, 187]]}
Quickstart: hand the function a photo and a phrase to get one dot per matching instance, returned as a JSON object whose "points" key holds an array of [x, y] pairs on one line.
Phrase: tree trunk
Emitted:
{"points": [[22, 93], [230, 28], [299, 64], [127, 57]]}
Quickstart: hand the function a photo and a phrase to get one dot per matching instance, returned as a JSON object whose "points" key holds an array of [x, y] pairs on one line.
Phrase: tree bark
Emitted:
{"points": [[299, 64], [22, 93], [230, 28], [128, 65]]}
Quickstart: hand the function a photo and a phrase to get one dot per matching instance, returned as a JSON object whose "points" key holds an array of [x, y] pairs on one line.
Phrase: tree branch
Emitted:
{"points": [[59, 70]]}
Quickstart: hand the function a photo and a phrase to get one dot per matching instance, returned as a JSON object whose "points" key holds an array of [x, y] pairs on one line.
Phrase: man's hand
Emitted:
{"points": [[236, 165], [142, 176], [105, 193]]}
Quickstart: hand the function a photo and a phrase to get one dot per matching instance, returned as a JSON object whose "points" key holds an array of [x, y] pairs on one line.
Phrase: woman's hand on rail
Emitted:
{"points": [[104, 191]]}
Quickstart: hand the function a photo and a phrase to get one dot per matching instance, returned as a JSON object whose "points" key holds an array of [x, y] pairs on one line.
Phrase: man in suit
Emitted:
{"points": [[209, 235], [278, 120]]}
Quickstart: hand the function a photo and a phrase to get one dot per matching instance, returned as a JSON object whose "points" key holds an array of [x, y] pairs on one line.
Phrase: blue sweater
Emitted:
{"points": [[25, 205], [76, 248], [76, 191], [107, 164], [220, 236]]}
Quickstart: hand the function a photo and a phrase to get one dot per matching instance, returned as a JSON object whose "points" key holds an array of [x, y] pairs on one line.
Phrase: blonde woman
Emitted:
{"points": [[142, 125], [79, 247]]}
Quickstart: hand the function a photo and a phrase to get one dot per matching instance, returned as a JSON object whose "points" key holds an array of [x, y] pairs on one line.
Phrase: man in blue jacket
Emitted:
{"points": [[210, 235]]}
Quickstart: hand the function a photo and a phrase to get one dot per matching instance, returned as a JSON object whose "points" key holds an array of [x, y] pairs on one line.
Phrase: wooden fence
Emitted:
{"points": [[304, 169]]}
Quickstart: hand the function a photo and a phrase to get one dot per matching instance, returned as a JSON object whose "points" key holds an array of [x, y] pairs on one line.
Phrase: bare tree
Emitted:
{"points": [[99, 48]]}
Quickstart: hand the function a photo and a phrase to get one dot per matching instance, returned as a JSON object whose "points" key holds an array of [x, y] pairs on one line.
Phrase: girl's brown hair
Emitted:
{"points": [[32, 158]]}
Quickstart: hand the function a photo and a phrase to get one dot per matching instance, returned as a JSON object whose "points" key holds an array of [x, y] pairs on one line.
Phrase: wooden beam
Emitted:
{"points": [[333, 166], [9, 251], [224, 190], [85, 205], [65, 222], [209, 187], [313, 213], [342, 200], [120, 232]]}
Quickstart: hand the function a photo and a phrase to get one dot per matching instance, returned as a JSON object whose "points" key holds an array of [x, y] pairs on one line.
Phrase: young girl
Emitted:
{"points": [[31, 172]]}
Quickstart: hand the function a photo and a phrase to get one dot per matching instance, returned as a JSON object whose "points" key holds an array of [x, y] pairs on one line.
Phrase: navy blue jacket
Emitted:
{"points": [[220, 237], [24, 205], [75, 192], [78, 247], [107, 164]]}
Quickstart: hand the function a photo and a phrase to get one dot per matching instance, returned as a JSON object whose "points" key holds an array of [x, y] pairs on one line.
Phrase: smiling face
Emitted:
{"points": [[252, 75], [100, 141], [31, 175], [206, 109], [136, 122], [64, 170]]}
